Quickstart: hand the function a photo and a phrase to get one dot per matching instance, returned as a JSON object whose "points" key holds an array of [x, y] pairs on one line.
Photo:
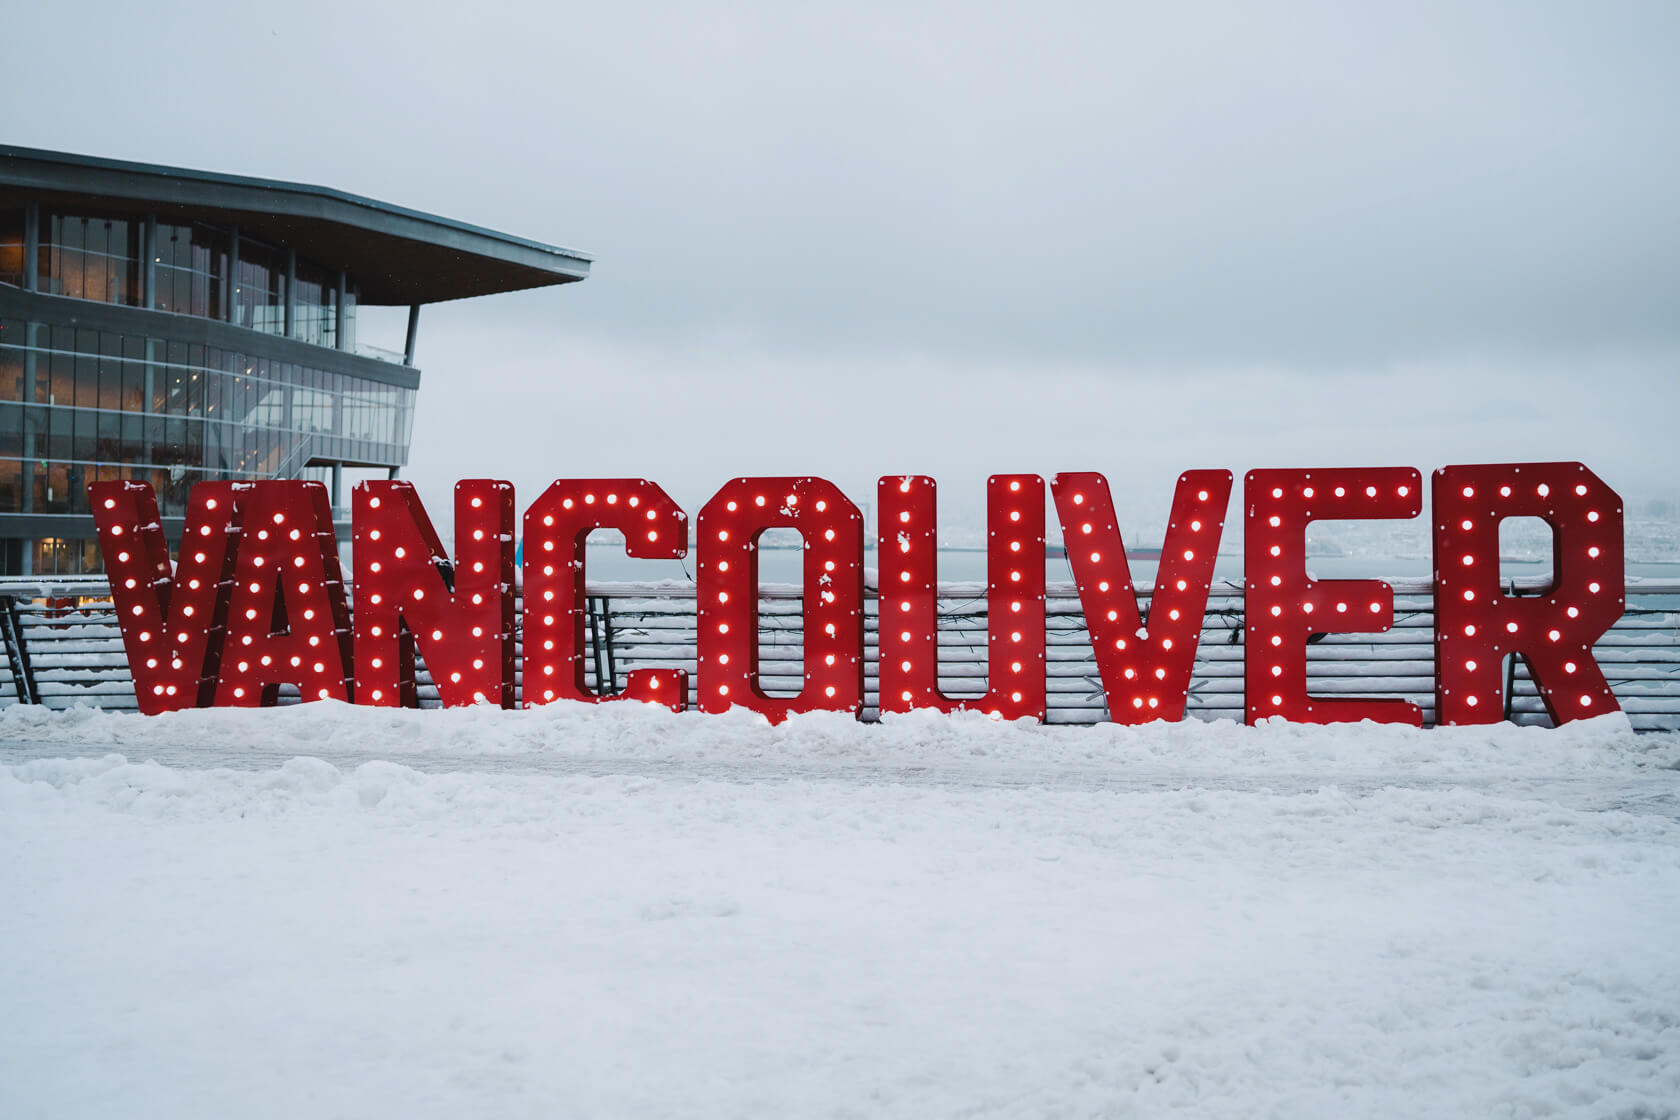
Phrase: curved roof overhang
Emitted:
{"points": [[396, 256]]}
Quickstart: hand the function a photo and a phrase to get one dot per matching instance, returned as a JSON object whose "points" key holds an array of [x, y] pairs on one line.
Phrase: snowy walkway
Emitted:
{"points": [[324, 911]]}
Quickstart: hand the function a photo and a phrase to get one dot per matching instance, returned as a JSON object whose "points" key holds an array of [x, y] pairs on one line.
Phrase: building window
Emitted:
{"points": [[191, 262], [11, 247], [259, 294], [91, 258]]}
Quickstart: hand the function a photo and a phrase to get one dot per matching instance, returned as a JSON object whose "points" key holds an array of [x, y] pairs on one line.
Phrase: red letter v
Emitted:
{"points": [[172, 623]]}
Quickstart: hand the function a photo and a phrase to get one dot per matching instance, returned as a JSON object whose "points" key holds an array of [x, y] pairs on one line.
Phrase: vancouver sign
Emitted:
{"points": [[256, 599]]}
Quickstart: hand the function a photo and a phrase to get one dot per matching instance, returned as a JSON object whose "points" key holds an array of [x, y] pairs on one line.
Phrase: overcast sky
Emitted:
{"points": [[958, 239]]}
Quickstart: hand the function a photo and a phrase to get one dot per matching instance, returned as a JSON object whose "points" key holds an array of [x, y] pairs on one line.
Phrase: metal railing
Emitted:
{"points": [[63, 647]]}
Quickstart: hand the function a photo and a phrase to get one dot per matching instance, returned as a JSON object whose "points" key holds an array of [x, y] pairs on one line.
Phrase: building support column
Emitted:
{"points": [[413, 330], [32, 247], [148, 265], [233, 274], [338, 313], [291, 293], [337, 487]]}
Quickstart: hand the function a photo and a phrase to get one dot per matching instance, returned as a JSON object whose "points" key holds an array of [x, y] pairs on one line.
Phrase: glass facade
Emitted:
{"points": [[103, 259], [78, 404]]}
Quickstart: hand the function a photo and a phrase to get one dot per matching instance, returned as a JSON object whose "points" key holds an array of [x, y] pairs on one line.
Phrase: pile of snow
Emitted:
{"points": [[615, 910]]}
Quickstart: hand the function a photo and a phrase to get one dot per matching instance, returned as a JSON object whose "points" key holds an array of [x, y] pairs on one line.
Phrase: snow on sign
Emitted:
{"points": [[257, 600]]}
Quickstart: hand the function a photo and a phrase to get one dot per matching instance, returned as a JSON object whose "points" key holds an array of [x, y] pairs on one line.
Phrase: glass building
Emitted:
{"points": [[171, 326]]}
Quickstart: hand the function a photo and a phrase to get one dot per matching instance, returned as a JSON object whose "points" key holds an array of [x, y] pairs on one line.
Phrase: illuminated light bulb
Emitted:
{"points": [[1160, 674], [1119, 643], [1574, 612], [548, 620], [904, 635], [1469, 491], [131, 583], [820, 505], [723, 690], [238, 692], [187, 610], [723, 534], [1137, 701], [1277, 670], [1079, 499], [1277, 581], [1569, 666], [1341, 491], [589, 499], [1014, 515], [1542, 489], [1402, 491], [116, 530], [612, 499], [548, 546], [199, 557], [759, 500], [1276, 610], [1195, 526], [1096, 557], [123, 557], [320, 667], [375, 631], [1586, 700], [1277, 491], [905, 696], [1471, 701], [1276, 550], [548, 694], [548, 670], [1275, 521], [1306, 608], [419, 593], [731, 507], [1593, 552], [1593, 587], [1592, 515], [723, 659], [1554, 635], [1015, 636], [1173, 614], [829, 629], [455, 678], [828, 535], [830, 659], [1511, 627], [1277, 639], [1130, 673], [373, 567], [904, 516], [723, 628], [1581, 490], [1189, 554], [1469, 559], [376, 663], [257, 560], [1014, 666], [723, 596], [1201, 495], [829, 691], [1102, 586], [250, 614], [1113, 616], [1370, 491], [1504, 491], [904, 606], [399, 553], [1469, 595], [1166, 643], [378, 695], [1015, 576], [1277, 701], [791, 500], [723, 565]]}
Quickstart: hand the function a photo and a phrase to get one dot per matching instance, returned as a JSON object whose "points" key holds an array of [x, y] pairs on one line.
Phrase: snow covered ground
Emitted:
{"points": [[613, 911]]}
